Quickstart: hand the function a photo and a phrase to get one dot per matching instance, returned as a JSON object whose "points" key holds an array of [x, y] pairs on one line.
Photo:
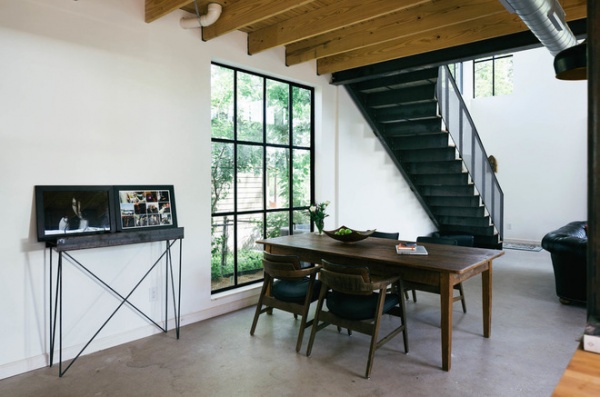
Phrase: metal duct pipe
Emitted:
{"points": [[213, 13], [545, 19]]}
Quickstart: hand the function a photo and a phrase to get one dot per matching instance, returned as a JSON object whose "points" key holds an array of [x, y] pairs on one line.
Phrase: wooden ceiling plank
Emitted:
{"points": [[468, 32], [574, 9], [155, 9], [322, 20], [572, 4], [246, 12], [489, 27], [499, 45], [425, 17]]}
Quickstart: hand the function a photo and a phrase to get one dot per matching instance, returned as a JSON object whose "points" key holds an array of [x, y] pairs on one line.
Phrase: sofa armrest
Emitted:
{"points": [[569, 239]]}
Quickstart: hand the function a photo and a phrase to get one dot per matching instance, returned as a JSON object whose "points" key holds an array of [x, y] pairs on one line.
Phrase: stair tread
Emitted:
{"points": [[403, 110]]}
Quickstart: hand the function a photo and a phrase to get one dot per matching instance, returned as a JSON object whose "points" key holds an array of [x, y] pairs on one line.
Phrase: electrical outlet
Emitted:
{"points": [[153, 294], [509, 226]]}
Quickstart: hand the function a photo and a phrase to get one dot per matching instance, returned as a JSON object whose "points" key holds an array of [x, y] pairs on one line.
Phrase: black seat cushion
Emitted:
{"points": [[357, 307], [294, 290]]}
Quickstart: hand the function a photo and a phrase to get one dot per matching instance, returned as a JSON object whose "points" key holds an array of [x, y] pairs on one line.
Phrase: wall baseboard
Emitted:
{"points": [[526, 242]]}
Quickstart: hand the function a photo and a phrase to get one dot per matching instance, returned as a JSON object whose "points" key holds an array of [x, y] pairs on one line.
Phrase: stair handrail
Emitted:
{"points": [[461, 128]]}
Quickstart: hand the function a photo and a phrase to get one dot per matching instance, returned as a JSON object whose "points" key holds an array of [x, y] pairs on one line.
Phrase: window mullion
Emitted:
{"points": [[265, 164], [235, 177]]}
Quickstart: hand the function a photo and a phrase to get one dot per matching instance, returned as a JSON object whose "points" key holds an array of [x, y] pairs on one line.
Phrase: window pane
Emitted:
{"points": [[222, 177], [278, 175], [250, 178], [278, 128], [249, 229], [301, 106], [221, 112], [221, 272], [301, 222], [483, 79], [249, 107], [503, 69], [301, 177], [278, 224]]}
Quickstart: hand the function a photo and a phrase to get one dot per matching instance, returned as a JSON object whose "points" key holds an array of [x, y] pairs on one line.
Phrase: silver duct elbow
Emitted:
{"points": [[212, 15], [546, 20]]}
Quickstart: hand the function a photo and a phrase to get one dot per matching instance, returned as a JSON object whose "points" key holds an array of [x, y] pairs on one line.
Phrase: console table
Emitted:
{"points": [[64, 246]]}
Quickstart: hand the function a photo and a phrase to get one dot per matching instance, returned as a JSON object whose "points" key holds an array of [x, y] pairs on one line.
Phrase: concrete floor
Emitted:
{"points": [[533, 339]]}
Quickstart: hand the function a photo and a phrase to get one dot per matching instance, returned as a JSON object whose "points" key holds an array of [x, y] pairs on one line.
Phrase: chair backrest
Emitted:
{"points": [[437, 240], [285, 267], [392, 236], [353, 280]]}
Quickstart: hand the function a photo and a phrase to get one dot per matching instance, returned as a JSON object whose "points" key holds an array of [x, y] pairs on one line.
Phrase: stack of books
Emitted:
{"points": [[407, 248]]}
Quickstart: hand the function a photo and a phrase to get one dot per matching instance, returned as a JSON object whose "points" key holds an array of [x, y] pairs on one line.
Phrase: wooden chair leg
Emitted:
{"points": [[301, 332], [315, 324], [340, 330], [375, 333], [403, 318], [307, 301], [259, 305], [414, 294], [462, 297]]}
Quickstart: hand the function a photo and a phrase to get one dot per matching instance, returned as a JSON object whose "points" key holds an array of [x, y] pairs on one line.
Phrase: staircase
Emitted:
{"points": [[441, 158]]}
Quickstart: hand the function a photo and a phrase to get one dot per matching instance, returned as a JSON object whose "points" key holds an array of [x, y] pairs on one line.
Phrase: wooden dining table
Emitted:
{"points": [[444, 266]]}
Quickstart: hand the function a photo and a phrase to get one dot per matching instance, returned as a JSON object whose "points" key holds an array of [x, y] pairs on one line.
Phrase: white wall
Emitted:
{"points": [[539, 137], [372, 192], [91, 94]]}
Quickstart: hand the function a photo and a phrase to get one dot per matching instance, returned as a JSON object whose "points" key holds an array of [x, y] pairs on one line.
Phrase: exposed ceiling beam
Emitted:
{"points": [[450, 36], [247, 12], [575, 9], [424, 17], [155, 9], [322, 20], [498, 45]]}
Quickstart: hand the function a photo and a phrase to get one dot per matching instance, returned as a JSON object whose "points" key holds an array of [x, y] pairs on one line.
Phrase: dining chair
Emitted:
{"points": [[288, 287], [350, 294], [392, 236], [436, 289]]}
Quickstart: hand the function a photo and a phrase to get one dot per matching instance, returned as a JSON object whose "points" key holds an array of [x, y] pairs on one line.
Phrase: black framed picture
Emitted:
{"points": [[73, 210], [145, 207]]}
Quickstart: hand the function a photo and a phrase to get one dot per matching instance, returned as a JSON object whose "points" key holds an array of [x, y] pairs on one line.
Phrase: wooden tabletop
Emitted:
{"points": [[441, 258]]}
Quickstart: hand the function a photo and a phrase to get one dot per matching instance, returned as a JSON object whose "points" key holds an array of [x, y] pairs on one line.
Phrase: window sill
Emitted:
{"points": [[247, 290]]}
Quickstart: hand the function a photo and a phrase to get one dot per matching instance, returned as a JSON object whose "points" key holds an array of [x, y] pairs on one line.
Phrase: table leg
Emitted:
{"points": [[446, 301], [486, 290]]}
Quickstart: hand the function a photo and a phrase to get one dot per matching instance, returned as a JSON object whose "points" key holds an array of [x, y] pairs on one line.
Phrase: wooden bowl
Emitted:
{"points": [[356, 235]]}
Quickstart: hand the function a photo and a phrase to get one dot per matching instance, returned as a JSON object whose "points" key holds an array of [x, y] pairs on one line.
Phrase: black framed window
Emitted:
{"points": [[493, 76], [262, 169]]}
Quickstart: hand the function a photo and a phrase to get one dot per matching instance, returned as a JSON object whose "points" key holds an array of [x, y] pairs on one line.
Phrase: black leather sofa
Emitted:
{"points": [[568, 249]]}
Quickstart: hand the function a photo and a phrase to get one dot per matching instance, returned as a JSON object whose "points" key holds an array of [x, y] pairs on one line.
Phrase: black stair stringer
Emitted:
{"points": [[402, 112]]}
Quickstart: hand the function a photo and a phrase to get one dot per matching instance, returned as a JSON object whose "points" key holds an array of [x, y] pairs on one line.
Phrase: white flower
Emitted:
{"points": [[312, 208]]}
